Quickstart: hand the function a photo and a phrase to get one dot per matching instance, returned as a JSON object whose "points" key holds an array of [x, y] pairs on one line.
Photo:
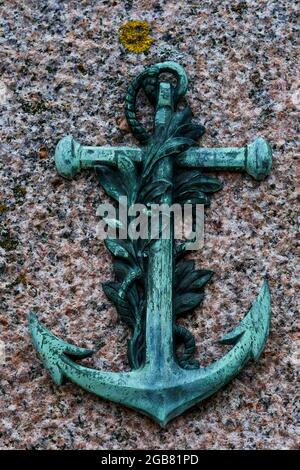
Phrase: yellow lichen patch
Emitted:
{"points": [[134, 35], [3, 208]]}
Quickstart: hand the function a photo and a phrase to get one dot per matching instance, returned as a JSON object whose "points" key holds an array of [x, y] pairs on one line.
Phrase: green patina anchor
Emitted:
{"points": [[154, 284]]}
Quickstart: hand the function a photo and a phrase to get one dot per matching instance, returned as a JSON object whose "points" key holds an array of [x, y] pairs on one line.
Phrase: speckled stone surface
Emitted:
{"points": [[63, 71]]}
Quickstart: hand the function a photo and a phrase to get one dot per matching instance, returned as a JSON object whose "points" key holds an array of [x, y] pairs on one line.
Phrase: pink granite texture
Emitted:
{"points": [[63, 71]]}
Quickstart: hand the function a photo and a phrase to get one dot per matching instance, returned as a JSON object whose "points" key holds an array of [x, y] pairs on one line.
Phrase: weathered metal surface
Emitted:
{"points": [[255, 158], [154, 284]]}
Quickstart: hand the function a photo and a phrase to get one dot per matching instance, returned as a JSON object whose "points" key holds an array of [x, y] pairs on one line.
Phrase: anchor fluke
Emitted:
{"points": [[51, 349], [256, 323]]}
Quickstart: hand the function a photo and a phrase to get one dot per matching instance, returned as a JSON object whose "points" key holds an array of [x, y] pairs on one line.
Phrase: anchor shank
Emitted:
{"points": [[159, 320]]}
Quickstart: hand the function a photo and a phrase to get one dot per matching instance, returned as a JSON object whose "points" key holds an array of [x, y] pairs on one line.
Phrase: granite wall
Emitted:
{"points": [[63, 71]]}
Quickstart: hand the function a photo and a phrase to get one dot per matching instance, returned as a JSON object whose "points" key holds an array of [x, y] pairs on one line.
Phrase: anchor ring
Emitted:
{"points": [[148, 81]]}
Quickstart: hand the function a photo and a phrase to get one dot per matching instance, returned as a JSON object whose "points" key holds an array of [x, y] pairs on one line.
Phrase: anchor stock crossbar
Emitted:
{"points": [[255, 158]]}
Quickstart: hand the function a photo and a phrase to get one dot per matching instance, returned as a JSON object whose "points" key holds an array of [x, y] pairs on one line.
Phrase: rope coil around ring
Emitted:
{"points": [[148, 80], [182, 335]]}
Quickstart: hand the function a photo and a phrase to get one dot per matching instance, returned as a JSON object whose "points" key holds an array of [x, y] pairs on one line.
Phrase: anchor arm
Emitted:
{"points": [[51, 348], [249, 339], [176, 389], [57, 357]]}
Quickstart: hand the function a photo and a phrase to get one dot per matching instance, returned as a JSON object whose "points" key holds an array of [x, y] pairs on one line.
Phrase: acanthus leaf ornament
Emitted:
{"points": [[154, 284]]}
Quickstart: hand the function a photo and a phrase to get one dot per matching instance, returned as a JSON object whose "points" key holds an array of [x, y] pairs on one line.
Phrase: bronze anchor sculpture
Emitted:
{"points": [[154, 284]]}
